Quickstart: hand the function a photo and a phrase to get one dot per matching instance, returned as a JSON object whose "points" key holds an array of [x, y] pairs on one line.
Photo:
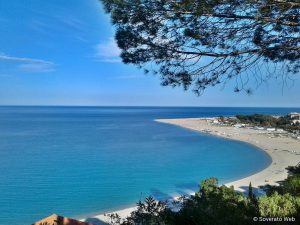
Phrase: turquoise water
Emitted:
{"points": [[77, 161]]}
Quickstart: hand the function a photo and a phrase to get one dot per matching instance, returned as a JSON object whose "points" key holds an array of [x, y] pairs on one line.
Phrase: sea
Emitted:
{"points": [[82, 161]]}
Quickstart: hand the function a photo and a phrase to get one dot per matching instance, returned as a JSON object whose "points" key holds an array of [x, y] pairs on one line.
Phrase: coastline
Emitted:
{"points": [[283, 150]]}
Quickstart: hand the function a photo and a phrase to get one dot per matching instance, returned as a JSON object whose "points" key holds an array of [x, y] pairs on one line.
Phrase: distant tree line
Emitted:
{"points": [[221, 205], [283, 122]]}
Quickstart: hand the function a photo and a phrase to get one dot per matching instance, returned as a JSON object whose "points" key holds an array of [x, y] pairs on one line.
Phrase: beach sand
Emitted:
{"points": [[283, 149]]}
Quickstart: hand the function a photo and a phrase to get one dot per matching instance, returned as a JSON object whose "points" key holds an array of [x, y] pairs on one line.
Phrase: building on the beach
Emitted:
{"points": [[239, 125], [215, 121], [294, 117], [271, 129], [259, 128], [59, 220]]}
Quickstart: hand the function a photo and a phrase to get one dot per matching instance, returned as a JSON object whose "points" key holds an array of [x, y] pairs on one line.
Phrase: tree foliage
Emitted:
{"points": [[283, 199], [211, 205], [291, 185], [149, 212], [221, 205], [214, 204], [283, 122], [278, 205], [207, 42], [293, 170]]}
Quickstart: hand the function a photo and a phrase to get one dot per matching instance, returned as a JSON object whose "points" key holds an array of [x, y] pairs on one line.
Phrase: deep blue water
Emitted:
{"points": [[76, 161]]}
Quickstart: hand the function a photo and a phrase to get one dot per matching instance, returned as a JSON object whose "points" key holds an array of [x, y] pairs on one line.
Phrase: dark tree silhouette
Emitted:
{"points": [[203, 43]]}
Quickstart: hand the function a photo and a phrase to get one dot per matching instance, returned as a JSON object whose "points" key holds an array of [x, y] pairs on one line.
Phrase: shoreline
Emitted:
{"points": [[283, 150]]}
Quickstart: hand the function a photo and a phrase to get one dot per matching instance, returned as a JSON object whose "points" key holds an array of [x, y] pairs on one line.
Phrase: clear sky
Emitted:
{"points": [[58, 52]]}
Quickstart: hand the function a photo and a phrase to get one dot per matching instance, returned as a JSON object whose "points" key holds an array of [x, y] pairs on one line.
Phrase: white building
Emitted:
{"points": [[239, 125], [271, 129], [295, 117], [259, 128]]}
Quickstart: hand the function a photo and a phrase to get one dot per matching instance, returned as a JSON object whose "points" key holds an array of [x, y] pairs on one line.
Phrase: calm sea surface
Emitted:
{"points": [[77, 161]]}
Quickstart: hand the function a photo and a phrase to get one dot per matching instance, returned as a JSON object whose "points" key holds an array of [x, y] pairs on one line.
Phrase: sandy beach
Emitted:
{"points": [[283, 149]]}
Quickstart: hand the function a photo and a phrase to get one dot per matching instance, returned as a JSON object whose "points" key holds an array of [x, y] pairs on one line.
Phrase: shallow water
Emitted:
{"points": [[79, 160]]}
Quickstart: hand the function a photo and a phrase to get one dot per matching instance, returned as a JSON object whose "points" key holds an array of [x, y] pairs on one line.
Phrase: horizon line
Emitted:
{"points": [[146, 106]]}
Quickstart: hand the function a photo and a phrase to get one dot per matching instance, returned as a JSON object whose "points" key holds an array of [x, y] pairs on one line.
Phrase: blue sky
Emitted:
{"points": [[62, 53]]}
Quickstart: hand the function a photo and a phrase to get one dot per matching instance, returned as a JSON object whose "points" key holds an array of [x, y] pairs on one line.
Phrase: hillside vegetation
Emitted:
{"points": [[221, 205]]}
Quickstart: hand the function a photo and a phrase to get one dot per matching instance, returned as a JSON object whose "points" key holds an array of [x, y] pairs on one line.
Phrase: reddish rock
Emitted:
{"points": [[59, 220]]}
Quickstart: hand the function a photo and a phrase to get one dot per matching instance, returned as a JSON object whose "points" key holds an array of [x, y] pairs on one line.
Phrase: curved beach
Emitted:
{"points": [[282, 148]]}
